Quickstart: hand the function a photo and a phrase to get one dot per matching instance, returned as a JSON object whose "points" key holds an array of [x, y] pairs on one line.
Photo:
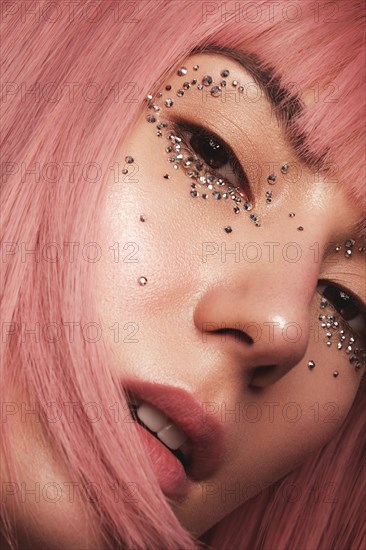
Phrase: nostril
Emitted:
{"points": [[263, 375], [239, 335]]}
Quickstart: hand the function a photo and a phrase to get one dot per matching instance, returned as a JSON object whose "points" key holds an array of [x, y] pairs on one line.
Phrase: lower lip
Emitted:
{"points": [[170, 472]]}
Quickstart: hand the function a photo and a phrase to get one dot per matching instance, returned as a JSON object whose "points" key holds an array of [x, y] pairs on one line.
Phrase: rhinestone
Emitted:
{"points": [[167, 177], [182, 71], [351, 340], [142, 218], [324, 325], [168, 88], [216, 91], [241, 89], [292, 214], [329, 344], [337, 248], [348, 253], [180, 92], [335, 324], [194, 81], [253, 217], [235, 82], [159, 133], [300, 228], [169, 102], [247, 205], [151, 118], [216, 195], [196, 67], [349, 349], [328, 325], [186, 85], [271, 179], [199, 87], [323, 303], [223, 83], [349, 243], [335, 374], [159, 94], [353, 358], [361, 248], [228, 229], [207, 80], [142, 281], [321, 317], [194, 193], [329, 335], [204, 196], [129, 159], [149, 97], [339, 345], [311, 364], [284, 168], [225, 73], [236, 209]]}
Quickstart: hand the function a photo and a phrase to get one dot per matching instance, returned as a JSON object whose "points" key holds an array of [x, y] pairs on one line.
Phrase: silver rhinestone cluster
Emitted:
{"points": [[339, 335], [349, 248]]}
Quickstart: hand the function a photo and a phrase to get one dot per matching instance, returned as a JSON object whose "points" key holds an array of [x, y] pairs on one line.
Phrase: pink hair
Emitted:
{"points": [[138, 55]]}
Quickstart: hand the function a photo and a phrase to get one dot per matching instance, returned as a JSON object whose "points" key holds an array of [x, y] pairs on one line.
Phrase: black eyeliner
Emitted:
{"points": [[206, 133]]}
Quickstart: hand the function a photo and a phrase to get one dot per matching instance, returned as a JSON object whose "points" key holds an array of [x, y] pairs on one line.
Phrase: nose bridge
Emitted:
{"points": [[267, 301]]}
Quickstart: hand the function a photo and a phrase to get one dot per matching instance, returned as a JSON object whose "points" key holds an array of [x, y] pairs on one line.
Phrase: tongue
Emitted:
{"points": [[169, 470]]}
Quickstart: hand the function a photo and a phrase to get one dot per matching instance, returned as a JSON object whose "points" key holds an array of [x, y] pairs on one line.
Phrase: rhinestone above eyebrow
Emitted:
{"points": [[349, 246], [311, 364], [142, 281], [207, 80], [182, 71]]}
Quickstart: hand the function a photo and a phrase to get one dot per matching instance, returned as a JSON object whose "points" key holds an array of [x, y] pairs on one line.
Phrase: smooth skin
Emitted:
{"points": [[284, 412]]}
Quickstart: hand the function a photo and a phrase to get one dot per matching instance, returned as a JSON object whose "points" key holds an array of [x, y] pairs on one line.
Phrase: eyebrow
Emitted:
{"points": [[287, 106]]}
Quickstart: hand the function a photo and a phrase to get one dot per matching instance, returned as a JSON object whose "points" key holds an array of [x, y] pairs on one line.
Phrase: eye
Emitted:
{"points": [[346, 304], [215, 153]]}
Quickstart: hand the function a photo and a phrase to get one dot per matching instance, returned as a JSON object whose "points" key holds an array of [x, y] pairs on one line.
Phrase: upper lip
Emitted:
{"points": [[205, 432]]}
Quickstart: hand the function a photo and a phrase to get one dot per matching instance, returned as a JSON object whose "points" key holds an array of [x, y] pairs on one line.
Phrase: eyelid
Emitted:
{"points": [[180, 125], [359, 303]]}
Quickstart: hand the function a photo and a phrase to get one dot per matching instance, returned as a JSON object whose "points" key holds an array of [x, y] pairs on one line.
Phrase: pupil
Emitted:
{"points": [[211, 151], [342, 302]]}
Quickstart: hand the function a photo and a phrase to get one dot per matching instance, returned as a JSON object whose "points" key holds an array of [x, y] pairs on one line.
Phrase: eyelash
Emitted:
{"points": [[199, 132], [354, 301]]}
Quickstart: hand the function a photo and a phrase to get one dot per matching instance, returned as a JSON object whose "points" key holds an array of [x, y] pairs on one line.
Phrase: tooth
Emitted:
{"points": [[172, 436], [154, 419]]}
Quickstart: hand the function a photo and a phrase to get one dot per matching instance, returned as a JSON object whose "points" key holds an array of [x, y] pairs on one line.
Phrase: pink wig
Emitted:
{"points": [[126, 49]]}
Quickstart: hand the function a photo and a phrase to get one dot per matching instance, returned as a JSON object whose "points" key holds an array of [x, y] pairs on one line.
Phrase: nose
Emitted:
{"points": [[261, 322]]}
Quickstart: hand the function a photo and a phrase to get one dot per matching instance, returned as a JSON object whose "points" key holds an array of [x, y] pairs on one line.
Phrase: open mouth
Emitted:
{"points": [[163, 429]]}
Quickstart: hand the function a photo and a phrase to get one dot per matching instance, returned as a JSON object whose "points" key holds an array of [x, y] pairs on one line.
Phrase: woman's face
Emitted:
{"points": [[221, 300]]}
